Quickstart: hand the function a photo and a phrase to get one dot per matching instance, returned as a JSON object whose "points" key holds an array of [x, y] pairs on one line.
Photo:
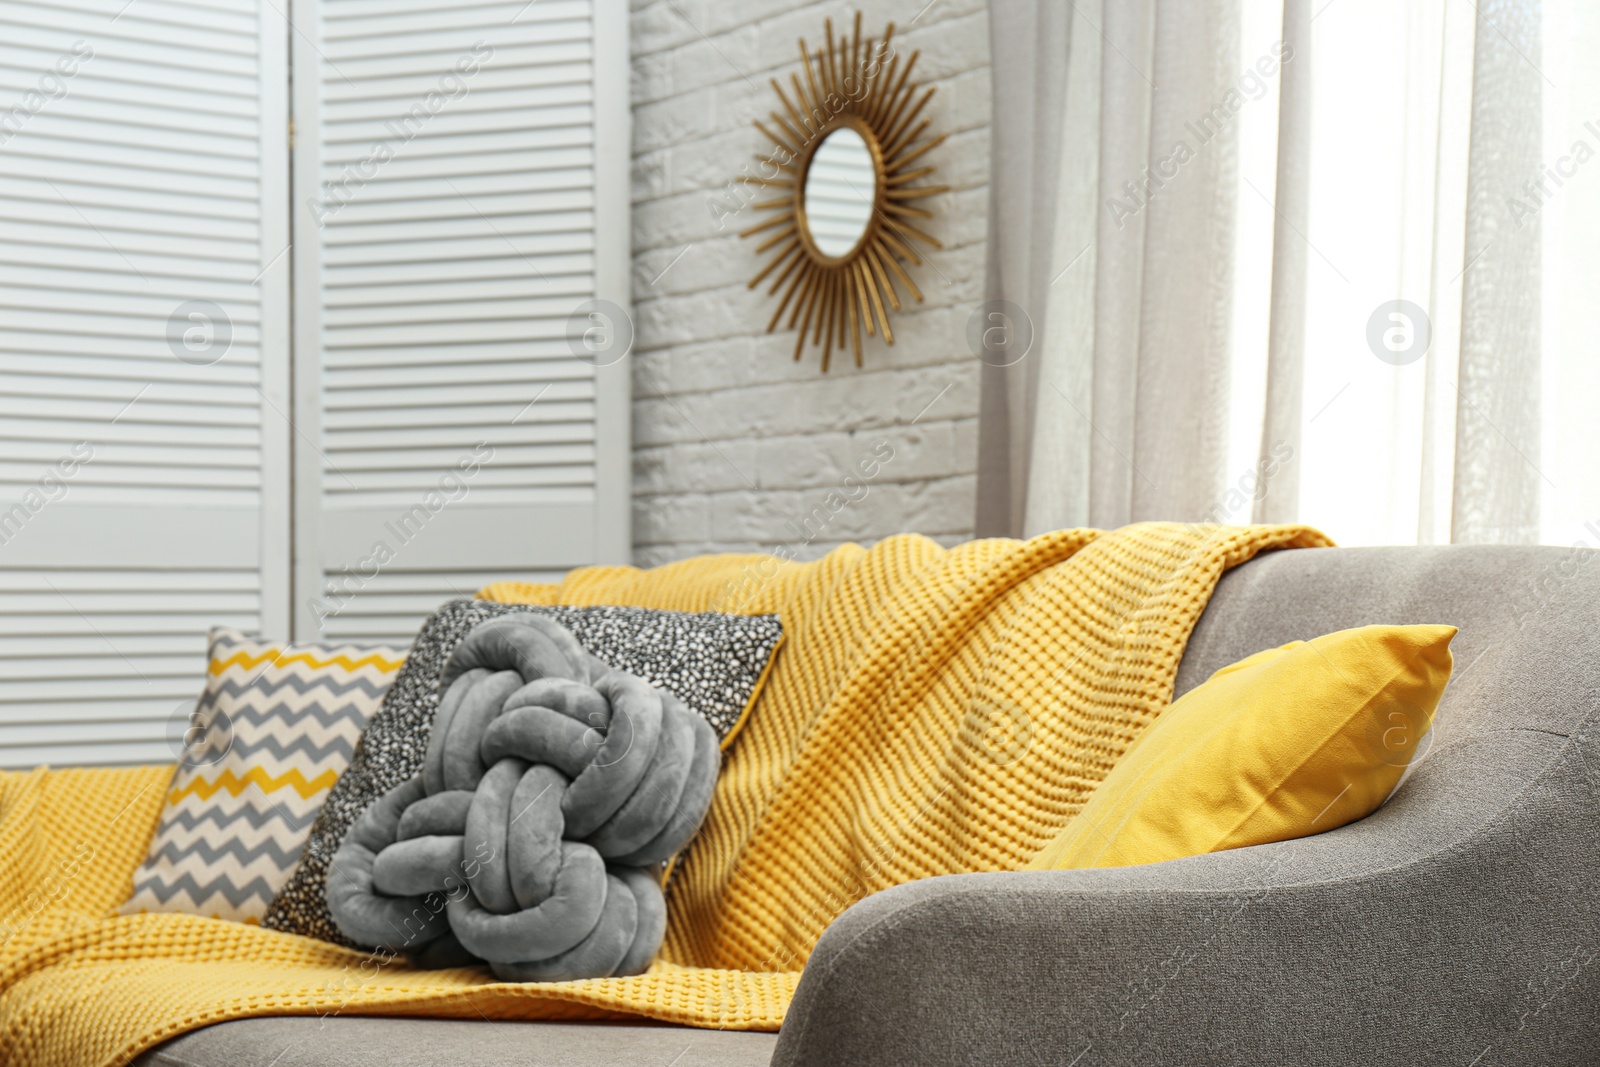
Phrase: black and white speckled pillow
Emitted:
{"points": [[714, 663]]}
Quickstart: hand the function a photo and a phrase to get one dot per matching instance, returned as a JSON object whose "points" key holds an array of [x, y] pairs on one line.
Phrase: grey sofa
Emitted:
{"points": [[1460, 924]]}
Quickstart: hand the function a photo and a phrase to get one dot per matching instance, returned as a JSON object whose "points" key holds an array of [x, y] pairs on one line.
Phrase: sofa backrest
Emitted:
{"points": [[1527, 655]]}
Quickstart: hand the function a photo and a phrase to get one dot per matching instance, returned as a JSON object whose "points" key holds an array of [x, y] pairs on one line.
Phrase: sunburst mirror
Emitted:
{"points": [[848, 150]]}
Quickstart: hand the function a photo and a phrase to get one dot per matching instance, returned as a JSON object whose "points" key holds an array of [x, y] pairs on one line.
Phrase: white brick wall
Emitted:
{"points": [[736, 446]]}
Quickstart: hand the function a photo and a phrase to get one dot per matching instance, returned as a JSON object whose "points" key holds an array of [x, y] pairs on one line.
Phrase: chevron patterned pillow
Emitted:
{"points": [[271, 733]]}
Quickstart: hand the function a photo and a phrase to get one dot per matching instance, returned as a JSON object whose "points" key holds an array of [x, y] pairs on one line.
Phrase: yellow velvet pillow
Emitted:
{"points": [[1286, 743]]}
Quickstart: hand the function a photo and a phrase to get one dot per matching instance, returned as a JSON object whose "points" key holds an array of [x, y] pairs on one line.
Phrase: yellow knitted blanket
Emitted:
{"points": [[933, 711]]}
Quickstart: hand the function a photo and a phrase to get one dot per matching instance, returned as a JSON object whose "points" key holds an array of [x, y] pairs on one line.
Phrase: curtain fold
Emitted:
{"points": [[1286, 329], [1057, 485], [1127, 90], [1451, 150], [1497, 477], [1181, 398], [1025, 140]]}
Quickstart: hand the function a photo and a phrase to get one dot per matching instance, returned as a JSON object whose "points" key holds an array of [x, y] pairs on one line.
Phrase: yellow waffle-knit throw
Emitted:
{"points": [[934, 711]]}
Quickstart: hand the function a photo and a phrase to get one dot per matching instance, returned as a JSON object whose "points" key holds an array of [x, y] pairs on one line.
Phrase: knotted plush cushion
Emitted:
{"points": [[551, 784]]}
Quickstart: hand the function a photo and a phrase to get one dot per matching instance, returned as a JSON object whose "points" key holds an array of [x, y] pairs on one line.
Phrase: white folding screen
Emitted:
{"points": [[167, 463], [461, 237], [144, 286]]}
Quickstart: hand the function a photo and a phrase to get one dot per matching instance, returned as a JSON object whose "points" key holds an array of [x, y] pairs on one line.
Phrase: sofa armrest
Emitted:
{"points": [[1459, 924]]}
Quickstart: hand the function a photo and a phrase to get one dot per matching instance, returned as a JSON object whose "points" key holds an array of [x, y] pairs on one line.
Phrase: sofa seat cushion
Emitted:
{"points": [[354, 1041]]}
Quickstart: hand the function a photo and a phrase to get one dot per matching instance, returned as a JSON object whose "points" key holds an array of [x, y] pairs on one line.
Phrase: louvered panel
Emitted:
{"points": [[522, 377], [546, 321], [392, 606], [529, 239], [350, 13], [412, 74], [403, 401], [140, 372], [110, 632], [221, 54], [30, 405], [557, 168], [237, 15], [389, 28], [36, 452], [89, 227], [160, 28], [154, 266], [109, 346], [204, 397], [530, 349], [526, 45], [41, 202], [507, 114], [231, 152], [445, 249], [528, 432], [71, 170], [439, 153], [128, 431], [562, 209], [549, 64], [122, 65], [400, 422], [357, 281], [576, 449], [143, 466], [184, 475], [497, 108], [87, 184], [89, 292], [548, 467], [120, 85], [78, 151], [559, 152], [569, 274], [103, 665], [51, 653], [165, 103]]}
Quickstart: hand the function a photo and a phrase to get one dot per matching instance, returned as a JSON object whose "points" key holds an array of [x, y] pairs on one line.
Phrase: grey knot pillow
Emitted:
{"points": [[550, 788], [714, 663]]}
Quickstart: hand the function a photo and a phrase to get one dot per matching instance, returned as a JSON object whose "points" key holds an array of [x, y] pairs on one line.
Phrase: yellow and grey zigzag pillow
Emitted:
{"points": [[271, 733]]}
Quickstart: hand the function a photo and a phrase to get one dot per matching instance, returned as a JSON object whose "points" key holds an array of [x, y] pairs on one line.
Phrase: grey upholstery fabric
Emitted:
{"points": [[1456, 925], [349, 1041]]}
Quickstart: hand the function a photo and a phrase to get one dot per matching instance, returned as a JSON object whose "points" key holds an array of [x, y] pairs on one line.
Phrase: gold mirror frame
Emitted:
{"points": [[847, 83]]}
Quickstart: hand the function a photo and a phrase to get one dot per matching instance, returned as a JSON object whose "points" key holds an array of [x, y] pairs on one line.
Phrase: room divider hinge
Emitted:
{"points": [[291, 135]]}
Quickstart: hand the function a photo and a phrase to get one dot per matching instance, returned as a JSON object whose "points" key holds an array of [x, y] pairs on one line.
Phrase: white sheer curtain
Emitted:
{"points": [[1332, 261]]}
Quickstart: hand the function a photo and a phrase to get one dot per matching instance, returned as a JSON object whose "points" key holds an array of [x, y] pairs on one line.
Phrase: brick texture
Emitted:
{"points": [[736, 446]]}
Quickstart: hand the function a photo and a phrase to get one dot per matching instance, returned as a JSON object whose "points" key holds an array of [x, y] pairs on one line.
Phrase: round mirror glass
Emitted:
{"points": [[840, 188]]}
